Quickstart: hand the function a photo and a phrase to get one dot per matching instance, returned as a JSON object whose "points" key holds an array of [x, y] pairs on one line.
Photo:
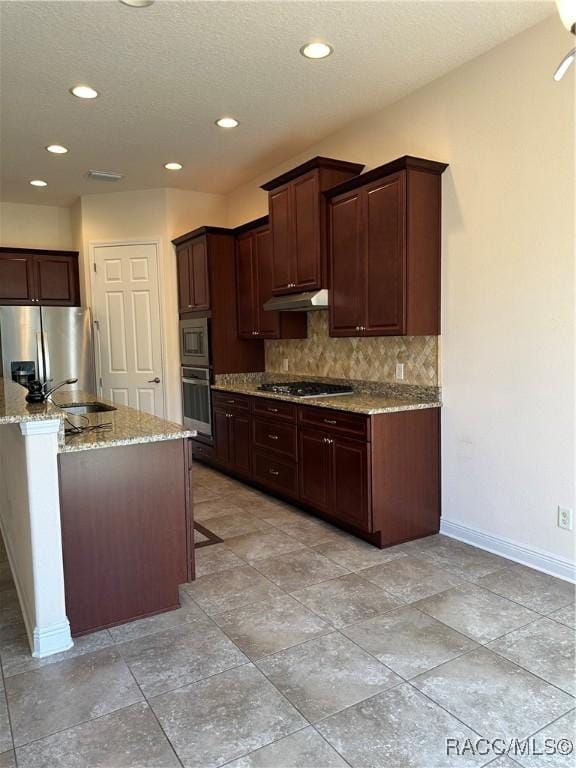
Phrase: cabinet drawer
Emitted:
{"points": [[228, 401], [272, 436], [276, 409], [277, 475], [202, 451], [355, 425]]}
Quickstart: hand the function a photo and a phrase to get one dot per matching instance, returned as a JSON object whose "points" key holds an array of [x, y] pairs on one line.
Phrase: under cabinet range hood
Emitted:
{"points": [[298, 302]]}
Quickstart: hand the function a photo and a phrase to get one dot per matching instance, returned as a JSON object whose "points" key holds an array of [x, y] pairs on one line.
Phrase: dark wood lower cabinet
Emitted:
{"points": [[126, 517], [376, 476]]}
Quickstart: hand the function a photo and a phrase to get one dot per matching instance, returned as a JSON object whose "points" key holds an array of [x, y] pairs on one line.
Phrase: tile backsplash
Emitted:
{"points": [[370, 359]]}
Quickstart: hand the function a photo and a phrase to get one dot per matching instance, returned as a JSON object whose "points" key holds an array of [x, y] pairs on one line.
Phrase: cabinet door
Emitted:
{"points": [[183, 267], [56, 281], [222, 436], [240, 443], [245, 288], [385, 256], [16, 279], [199, 274], [268, 322], [282, 236], [306, 223], [347, 266], [314, 469], [351, 482]]}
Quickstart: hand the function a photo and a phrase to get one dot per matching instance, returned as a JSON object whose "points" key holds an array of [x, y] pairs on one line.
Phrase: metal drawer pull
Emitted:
{"points": [[327, 440], [330, 421], [230, 402], [272, 410], [273, 437], [274, 472]]}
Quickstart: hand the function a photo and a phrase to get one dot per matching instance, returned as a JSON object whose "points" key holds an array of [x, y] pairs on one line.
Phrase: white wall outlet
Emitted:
{"points": [[400, 371], [565, 518], [285, 363]]}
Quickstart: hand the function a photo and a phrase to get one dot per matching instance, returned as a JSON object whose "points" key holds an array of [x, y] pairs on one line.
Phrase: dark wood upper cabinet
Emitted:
{"points": [[39, 277], [183, 269], [207, 275], [192, 265], [385, 241], [254, 274], [298, 220]]}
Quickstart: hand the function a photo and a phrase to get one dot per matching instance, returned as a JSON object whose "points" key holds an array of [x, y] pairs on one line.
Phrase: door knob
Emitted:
{"points": [[155, 380]]}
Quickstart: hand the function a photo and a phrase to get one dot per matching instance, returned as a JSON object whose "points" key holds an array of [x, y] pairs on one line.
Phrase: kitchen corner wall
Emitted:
{"points": [[368, 359], [507, 359]]}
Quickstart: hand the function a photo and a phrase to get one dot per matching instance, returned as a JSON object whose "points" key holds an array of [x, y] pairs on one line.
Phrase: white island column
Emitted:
{"points": [[30, 519]]}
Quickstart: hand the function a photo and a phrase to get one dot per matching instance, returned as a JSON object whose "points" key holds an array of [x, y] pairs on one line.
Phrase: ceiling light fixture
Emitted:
{"points": [[137, 3], [57, 149], [84, 92], [38, 183], [567, 12], [316, 50], [227, 122], [173, 166]]}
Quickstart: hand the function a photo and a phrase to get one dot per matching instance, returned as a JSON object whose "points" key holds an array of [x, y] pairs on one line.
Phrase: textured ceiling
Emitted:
{"points": [[167, 72]]}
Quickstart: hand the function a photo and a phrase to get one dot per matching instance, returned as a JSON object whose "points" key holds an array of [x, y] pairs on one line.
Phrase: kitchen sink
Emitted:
{"points": [[92, 407]]}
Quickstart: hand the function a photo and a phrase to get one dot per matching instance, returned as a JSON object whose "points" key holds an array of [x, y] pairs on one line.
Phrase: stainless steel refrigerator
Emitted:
{"points": [[49, 344]]}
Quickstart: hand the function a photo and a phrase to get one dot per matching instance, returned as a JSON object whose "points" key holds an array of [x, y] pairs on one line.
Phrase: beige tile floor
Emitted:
{"points": [[299, 646]]}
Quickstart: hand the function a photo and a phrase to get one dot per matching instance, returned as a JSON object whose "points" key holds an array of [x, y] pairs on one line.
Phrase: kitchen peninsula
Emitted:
{"points": [[92, 537]]}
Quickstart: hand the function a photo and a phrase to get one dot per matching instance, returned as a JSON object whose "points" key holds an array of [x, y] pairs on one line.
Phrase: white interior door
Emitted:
{"points": [[126, 307]]}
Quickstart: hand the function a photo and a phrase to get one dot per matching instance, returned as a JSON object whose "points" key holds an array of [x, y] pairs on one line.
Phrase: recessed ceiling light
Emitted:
{"points": [[38, 183], [173, 166], [316, 50], [84, 92], [227, 122], [57, 149], [137, 3]]}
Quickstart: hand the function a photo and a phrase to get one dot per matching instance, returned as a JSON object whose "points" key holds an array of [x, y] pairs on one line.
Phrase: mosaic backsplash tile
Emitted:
{"points": [[370, 359]]}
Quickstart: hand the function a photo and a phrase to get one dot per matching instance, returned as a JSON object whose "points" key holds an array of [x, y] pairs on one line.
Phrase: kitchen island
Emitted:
{"points": [[97, 524]]}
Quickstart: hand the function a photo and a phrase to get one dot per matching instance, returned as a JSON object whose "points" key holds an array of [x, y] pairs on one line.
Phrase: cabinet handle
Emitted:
{"points": [[327, 440], [273, 437], [228, 415], [272, 410], [230, 402], [274, 472], [330, 421]]}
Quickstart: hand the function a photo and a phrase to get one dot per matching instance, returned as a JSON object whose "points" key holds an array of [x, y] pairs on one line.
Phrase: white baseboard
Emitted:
{"points": [[53, 639], [499, 545]]}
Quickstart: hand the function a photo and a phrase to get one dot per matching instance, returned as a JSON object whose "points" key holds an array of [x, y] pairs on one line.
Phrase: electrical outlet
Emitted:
{"points": [[565, 518], [285, 364], [400, 371]]}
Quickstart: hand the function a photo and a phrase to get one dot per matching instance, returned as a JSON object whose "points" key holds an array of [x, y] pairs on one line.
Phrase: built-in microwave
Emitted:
{"points": [[194, 342]]}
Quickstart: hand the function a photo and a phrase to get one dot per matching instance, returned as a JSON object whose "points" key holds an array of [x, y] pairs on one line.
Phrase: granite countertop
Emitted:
{"points": [[14, 409], [385, 399], [129, 426]]}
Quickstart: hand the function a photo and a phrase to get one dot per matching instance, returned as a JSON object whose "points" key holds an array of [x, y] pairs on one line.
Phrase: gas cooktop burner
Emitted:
{"points": [[307, 389]]}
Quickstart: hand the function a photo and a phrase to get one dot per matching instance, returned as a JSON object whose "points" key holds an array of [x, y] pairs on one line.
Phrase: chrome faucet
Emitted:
{"points": [[53, 389]]}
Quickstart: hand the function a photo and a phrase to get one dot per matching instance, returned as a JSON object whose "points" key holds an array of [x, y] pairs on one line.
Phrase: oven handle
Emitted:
{"points": [[196, 381]]}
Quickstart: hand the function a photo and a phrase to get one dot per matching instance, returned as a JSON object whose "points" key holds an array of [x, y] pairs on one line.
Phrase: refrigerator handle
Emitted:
{"points": [[40, 357], [46, 357]]}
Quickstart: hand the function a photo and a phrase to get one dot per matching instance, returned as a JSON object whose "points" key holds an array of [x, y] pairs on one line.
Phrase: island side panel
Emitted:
{"points": [[125, 531], [406, 475]]}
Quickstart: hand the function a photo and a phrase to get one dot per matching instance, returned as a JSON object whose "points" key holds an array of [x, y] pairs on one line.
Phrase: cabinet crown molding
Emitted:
{"points": [[314, 163], [406, 162], [200, 232]]}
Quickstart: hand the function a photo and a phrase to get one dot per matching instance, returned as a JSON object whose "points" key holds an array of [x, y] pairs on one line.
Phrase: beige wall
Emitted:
{"points": [[36, 226], [507, 131]]}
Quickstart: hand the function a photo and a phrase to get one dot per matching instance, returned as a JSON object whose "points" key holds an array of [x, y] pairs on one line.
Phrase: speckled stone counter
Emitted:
{"points": [[129, 426], [369, 398], [15, 410]]}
